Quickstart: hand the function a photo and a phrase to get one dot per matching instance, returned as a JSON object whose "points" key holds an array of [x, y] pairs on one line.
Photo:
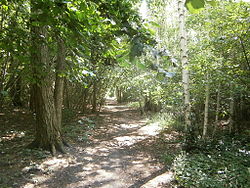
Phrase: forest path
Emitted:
{"points": [[121, 154]]}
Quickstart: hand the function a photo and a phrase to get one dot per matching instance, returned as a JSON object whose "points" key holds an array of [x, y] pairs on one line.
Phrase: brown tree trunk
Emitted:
{"points": [[2, 79], [32, 99], [16, 91], [59, 84], [94, 96], [119, 94], [85, 98], [48, 132], [67, 102]]}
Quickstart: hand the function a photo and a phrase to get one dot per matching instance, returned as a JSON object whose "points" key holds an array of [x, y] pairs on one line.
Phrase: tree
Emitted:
{"points": [[184, 61], [48, 100], [48, 117]]}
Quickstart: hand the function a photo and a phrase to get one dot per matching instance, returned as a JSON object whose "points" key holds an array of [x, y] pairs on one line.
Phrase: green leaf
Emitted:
{"points": [[154, 24], [5, 7], [141, 65], [35, 23], [195, 6], [151, 31], [211, 2], [125, 64], [4, 93]]}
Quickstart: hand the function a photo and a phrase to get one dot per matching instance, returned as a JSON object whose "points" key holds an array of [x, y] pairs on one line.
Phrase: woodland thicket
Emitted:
{"points": [[190, 69]]}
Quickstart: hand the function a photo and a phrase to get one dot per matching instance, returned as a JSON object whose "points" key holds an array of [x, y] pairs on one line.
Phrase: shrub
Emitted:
{"points": [[215, 164]]}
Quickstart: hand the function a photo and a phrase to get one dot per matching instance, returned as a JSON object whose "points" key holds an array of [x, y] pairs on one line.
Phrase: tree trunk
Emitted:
{"points": [[217, 111], [206, 110], [48, 132], [94, 97], [32, 99], [184, 61], [2, 79], [119, 95], [84, 103], [59, 84], [16, 91], [231, 110], [67, 102]]}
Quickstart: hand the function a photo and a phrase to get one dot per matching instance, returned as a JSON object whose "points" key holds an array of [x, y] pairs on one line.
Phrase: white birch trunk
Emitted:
{"points": [[184, 62]]}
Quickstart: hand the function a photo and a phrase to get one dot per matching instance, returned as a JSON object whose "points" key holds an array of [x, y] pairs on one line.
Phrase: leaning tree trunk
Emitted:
{"points": [[184, 61], [48, 132]]}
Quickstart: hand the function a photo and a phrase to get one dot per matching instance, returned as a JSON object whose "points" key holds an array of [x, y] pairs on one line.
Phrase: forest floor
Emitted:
{"points": [[117, 148]]}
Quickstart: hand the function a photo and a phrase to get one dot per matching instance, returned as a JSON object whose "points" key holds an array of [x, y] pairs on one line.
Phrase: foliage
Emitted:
{"points": [[134, 105], [68, 114], [216, 53], [80, 131], [195, 6], [168, 121], [223, 162]]}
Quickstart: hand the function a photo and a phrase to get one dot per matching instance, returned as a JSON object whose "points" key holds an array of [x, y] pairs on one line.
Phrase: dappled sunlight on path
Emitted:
{"points": [[113, 159]]}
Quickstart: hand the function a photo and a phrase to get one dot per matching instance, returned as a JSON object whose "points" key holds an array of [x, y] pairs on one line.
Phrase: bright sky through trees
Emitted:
{"points": [[144, 9]]}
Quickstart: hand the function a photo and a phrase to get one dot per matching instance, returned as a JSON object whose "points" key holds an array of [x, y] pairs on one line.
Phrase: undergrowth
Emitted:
{"points": [[167, 121], [220, 162], [80, 131], [217, 163], [134, 105]]}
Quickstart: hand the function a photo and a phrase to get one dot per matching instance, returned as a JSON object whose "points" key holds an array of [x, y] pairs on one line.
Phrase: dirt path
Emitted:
{"points": [[121, 154]]}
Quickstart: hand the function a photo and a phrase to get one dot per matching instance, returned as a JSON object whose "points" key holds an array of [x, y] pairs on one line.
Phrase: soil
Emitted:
{"points": [[122, 150]]}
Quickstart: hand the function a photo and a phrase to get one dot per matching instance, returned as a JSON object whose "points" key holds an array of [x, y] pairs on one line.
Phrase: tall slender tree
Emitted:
{"points": [[184, 62], [206, 107]]}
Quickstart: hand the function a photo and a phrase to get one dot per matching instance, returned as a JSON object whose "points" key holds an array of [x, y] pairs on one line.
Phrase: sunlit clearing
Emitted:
{"points": [[144, 132], [151, 130]]}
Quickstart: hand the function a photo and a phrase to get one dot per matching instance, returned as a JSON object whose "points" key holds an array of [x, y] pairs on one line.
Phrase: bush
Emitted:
{"points": [[81, 130], [134, 104], [216, 164], [167, 121], [68, 115]]}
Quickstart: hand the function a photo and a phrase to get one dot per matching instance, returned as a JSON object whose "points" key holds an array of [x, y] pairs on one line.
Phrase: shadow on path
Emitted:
{"points": [[120, 155]]}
